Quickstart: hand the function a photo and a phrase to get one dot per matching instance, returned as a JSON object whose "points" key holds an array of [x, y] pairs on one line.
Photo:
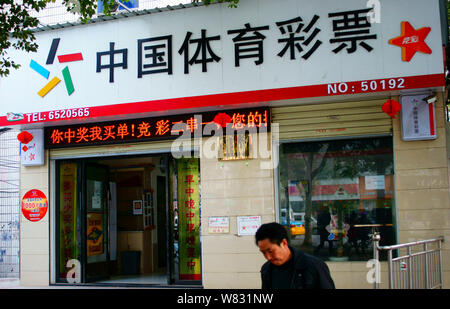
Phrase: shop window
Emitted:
{"points": [[334, 194]]}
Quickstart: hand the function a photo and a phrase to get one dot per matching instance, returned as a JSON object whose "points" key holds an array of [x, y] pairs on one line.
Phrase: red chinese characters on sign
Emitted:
{"points": [[82, 135], [144, 129], [250, 120], [190, 226], [154, 128], [189, 219], [162, 127]]}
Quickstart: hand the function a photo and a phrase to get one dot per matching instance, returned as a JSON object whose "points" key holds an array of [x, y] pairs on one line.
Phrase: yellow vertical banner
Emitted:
{"points": [[189, 218], [68, 247]]}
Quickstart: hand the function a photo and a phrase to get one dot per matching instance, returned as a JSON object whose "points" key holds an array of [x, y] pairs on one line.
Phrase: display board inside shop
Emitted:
{"points": [[216, 123]]}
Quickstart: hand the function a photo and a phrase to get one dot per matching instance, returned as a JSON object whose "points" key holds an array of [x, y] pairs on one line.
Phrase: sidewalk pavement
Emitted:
{"points": [[14, 283]]}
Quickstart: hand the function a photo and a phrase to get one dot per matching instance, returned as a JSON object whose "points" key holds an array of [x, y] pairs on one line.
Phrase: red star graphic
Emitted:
{"points": [[31, 157], [412, 41]]}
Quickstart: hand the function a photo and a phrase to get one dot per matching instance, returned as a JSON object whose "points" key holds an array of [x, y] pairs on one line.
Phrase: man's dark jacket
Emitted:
{"points": [[309, 272]]}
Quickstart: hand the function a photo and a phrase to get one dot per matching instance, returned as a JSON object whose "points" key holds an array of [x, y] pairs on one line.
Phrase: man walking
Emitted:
{"points": [[287, 267]]}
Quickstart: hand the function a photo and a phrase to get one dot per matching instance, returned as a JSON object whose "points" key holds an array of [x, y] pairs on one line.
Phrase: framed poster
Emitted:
{"points": [[248, 225], [218, 225], [418, 118], [94, 234], [137, 207], [32, 153]]}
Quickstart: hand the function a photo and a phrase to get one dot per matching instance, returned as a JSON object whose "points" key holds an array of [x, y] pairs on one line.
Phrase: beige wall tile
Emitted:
{"points": [[34, 246], [214, 169], [423, 199], [38, 229], [439, 142], [424, 219], [35, 278], [446, 279], [230, 206], [226, 280], [31, 230], [417, 179], [242, 187], [233, 263], [33, 263], [228, 244], [421, 158]]}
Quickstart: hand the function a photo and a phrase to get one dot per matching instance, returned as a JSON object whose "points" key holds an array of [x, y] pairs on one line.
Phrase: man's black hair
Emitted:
{"points": [[273, 231]]}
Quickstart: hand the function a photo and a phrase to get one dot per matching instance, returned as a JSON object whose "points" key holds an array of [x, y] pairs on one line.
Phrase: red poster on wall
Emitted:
{"points": [[34, 205]]}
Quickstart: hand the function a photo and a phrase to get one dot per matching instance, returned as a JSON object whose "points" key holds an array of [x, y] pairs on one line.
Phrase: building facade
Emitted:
{"points": [[154, 150]]}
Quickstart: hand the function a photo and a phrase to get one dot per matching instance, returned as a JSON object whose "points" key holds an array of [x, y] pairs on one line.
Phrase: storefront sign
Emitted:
{"points": [[248, 225], [190, 125], [189, 219], [251, 56], [34, 205], [218, 225], [418, 118]]}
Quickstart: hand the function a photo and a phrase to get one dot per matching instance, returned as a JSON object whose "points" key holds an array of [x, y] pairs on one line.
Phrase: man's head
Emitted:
{"points": [[272, 240]]}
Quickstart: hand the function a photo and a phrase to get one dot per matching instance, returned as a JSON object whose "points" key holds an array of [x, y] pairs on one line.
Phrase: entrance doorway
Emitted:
{"points": [[118, 221]]}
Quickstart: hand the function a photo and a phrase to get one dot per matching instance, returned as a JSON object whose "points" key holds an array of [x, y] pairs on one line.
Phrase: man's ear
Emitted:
{"points": [[284, 242]]}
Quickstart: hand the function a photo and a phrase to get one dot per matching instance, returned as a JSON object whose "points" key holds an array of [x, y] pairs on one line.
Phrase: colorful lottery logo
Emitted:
{"points": [[412, 41], [14, 117], [65, 72]]}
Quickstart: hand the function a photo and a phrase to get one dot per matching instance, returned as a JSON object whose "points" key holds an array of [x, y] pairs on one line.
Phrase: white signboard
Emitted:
{"points": [[96, 194], [32, 153], [206, 56], [218, 225], [375, 182], [248, 225], [418, 118]]}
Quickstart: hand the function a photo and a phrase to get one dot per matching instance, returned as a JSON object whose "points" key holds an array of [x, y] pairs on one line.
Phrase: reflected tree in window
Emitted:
{"points": [[349, 179]]}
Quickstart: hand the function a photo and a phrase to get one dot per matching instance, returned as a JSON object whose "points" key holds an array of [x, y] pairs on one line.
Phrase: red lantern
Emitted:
{"points": [[24, 137], [222, 119], [391, 107]]}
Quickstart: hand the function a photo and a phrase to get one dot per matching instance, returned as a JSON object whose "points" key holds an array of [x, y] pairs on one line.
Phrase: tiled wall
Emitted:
{"points": [[422, 187], [232, 189], [34, 236]]}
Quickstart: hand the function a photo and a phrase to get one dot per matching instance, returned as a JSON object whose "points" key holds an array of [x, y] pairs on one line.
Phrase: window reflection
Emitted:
{"points": [[334, 194]]}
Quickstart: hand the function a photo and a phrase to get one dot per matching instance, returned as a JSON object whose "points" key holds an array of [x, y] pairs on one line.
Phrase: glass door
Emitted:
{"points": [[95, 231]]}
